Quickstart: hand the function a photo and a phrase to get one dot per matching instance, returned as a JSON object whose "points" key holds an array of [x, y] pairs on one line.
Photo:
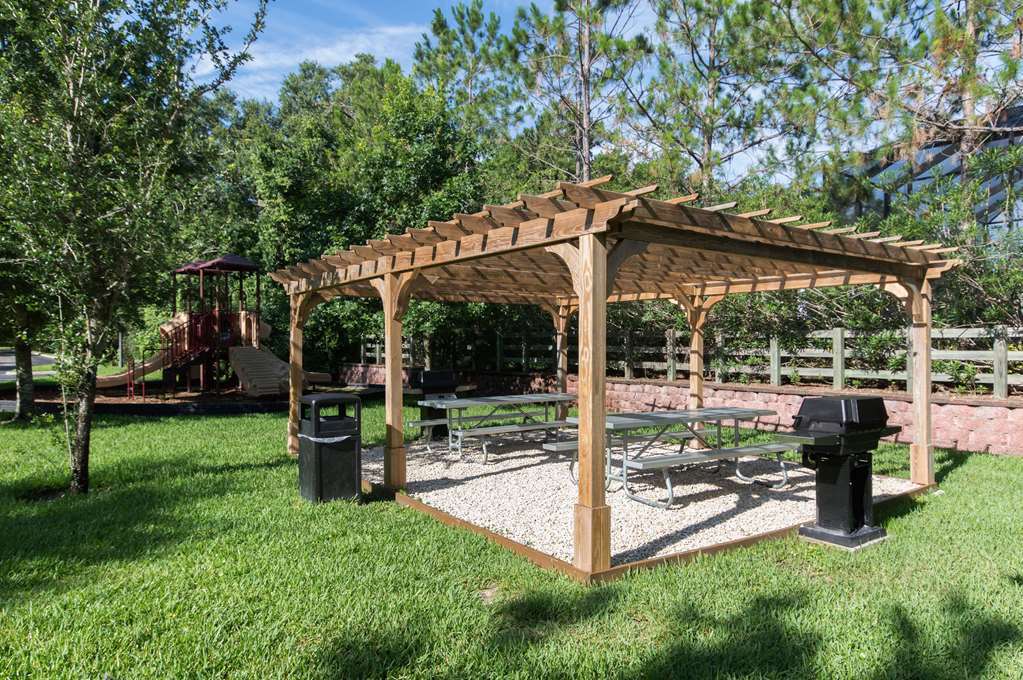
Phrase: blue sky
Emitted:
{"points": [[332, 33]]}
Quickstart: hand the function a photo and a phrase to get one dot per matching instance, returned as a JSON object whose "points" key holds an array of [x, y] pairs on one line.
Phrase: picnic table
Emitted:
{"points": [[638, 433], [524, 407]]}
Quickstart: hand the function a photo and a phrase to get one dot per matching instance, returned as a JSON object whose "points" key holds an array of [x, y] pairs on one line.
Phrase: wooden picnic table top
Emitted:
{"points": [[501, 400], [636, 420]]}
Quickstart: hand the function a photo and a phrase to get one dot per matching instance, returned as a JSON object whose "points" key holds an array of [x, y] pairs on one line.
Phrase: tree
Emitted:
{"points": [[464, 61], [98, 102], [913, 72], [573, 62], [720, 92]]}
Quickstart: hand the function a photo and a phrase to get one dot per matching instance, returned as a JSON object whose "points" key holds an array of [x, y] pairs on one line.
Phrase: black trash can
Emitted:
{"points": [[330, 447]]}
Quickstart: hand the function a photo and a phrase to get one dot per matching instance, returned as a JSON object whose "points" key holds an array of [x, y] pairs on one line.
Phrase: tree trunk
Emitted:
{"points": [[24, 404], [584, 81], [84, 405], [24, 401], [710, 120], [968, 141]]}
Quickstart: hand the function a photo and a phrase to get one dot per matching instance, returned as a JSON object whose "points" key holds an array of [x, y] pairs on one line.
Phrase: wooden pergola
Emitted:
{"points": [[579, 247]]}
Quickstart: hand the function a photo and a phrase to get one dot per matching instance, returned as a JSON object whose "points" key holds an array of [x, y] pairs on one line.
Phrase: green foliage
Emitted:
{"points": [[102, 119], [463, 60]]}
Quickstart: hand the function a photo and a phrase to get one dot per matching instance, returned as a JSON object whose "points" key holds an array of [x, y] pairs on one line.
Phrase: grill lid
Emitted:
{"points": [[840, 415], [434, 380]]}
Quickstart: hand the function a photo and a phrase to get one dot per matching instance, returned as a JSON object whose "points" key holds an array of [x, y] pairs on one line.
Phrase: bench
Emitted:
{"points": [[485, 433], [665, 462], [427, 425], [567, 445]]}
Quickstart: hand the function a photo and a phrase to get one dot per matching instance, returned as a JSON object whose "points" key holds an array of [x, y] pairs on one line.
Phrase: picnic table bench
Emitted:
{"points": [[504, 407], [630, 428]]}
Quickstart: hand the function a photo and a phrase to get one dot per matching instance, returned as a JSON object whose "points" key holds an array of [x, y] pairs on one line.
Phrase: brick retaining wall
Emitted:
{"points": [[963, 423]]}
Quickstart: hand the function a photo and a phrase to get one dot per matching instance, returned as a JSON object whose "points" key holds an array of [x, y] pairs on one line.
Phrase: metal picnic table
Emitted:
{"points": [[503, 407], [646, 429]]}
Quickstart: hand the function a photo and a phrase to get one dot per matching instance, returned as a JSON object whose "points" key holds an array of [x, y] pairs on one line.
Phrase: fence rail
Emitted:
{"points": [[989, 357]]}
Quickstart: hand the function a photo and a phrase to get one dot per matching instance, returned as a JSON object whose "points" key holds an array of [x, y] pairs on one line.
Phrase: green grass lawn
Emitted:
{"points": [[194, 557]]}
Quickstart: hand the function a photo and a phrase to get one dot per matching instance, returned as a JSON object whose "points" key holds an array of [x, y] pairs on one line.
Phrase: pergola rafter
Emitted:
{"points": [[580, 246]]}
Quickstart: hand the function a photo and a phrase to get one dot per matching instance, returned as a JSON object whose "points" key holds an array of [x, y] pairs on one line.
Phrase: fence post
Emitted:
{"points": [[1001, 365], [775, 352], [525, 354], [838, 358], [909, 360], [669, 349], [376, 351], [628, 355], [500, 353]]}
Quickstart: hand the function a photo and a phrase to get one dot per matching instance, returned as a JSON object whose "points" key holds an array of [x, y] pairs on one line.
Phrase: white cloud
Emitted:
{"points": [[273, 57]]}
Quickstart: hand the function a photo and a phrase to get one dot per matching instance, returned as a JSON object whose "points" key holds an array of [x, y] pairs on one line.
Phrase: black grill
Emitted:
{"points": [[433, 382], [838, 437]]}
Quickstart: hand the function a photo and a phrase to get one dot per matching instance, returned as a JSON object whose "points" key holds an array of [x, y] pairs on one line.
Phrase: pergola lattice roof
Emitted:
{"points": [[508, 253]]}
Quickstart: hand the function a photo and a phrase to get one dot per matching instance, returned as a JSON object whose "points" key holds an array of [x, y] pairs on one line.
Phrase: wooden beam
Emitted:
{"points": [[921, 451], [592, 525], [564, 227], [756, 213], [684, 237], [697, 310], [301, 307], [786, 220], [394, 290], [793, 282], [688, 198], [642, 191], [448, 230], [721, 206]]}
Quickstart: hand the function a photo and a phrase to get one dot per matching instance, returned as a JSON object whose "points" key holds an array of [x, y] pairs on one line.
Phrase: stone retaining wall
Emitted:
{"points": [[963, 423]]}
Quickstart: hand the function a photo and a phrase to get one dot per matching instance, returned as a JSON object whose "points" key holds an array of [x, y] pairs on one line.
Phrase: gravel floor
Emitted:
{"points": [[526, 494]]}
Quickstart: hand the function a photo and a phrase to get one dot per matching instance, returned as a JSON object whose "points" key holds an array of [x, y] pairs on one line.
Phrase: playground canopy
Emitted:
{"points": [[581, 246]]}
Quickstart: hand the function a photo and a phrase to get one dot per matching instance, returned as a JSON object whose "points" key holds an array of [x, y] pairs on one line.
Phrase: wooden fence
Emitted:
{"points": [[968, 359]]}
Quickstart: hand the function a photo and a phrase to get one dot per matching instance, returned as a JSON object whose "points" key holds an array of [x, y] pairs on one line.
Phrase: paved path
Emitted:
{"points": [[7, 364]]}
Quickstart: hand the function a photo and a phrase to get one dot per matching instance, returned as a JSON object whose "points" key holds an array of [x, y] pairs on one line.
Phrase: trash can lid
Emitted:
{"points": [[329, 398]]}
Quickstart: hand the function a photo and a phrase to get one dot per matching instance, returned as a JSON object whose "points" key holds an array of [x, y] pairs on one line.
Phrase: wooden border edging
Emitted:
{"points": [[537, 557], [545, 561]]}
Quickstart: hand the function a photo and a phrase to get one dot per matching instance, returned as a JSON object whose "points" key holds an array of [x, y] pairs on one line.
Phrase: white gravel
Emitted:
{"points": [[526, 494]]}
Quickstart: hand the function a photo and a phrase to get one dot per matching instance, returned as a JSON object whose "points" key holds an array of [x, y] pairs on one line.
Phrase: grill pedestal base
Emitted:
{"points": [[850, 541]]}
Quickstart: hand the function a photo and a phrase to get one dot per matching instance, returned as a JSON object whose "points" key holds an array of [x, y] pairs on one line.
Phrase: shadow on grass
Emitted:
{"points": [[975, 635], [131, 511], [544, 634], [946, 463], [375, 654]]}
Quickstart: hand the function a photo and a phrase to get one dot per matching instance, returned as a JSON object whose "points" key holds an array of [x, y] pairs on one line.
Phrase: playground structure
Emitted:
{"points": [[216, 335]]}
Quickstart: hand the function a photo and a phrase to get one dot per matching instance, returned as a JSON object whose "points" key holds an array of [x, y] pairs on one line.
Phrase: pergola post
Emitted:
{"points": [[697, 309], [394, 292], [917, 298], [592, 514], [921, 451], [301, 307]]}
